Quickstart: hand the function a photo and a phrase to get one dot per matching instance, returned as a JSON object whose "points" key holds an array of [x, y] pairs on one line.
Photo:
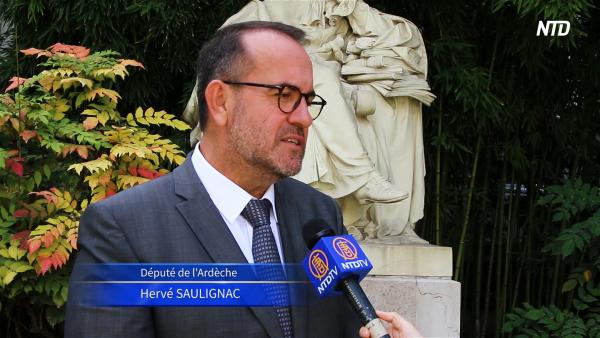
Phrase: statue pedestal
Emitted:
{"points": [[415, 281]]}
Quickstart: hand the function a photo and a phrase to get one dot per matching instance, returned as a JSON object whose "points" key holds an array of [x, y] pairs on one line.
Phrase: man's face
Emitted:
{"points": [[259, 132]]}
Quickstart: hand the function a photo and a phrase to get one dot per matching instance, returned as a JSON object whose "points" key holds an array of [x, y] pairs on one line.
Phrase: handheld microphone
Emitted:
{"points": [[336, 263]]}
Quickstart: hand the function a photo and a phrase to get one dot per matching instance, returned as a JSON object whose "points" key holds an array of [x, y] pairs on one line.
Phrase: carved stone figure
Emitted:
{"points": [[371, 68]]}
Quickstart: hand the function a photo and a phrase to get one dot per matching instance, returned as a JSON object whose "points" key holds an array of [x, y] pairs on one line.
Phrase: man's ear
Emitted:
{"points": [[216, 95]]}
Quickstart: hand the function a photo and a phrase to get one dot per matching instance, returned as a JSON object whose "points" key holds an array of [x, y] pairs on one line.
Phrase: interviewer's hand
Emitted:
{"points": [[397, 326]]}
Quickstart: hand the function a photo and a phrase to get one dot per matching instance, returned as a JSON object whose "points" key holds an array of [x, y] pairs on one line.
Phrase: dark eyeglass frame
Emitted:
{"points": [[308, 97]]}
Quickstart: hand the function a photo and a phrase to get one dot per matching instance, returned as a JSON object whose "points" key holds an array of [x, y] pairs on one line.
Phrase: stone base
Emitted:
{"points": [[415, 281], [431, 305], [409, 260]]}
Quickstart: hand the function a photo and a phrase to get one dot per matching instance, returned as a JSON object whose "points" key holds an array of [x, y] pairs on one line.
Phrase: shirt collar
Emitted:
{"points": [[229, 198]]}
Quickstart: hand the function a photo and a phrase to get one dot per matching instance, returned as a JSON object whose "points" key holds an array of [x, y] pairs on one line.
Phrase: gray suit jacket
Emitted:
{"points": [[172, 219]]}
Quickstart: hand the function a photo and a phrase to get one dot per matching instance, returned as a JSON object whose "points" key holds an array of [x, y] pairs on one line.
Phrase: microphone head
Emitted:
{"points": [[314, 230]]}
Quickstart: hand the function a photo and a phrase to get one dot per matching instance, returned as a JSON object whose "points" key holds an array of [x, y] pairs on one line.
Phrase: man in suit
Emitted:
{"points": [[256, 81]]}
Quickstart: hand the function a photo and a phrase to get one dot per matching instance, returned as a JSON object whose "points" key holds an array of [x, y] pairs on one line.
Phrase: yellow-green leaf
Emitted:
{"points": [[13, 252], [103, 117], [90, 112], [55, 85], [46, 170], [179, 159], [46, 82], [10, 275], [128, 181], [131, 121], [180, 125], [58, 116], [99, 164], [38, 177], [19, 266], [80, 98], [66, 83], [61, 106], [20, 253]]}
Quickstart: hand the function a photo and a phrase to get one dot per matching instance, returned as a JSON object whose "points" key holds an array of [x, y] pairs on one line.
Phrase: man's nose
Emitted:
{"points": [[301, 116]]}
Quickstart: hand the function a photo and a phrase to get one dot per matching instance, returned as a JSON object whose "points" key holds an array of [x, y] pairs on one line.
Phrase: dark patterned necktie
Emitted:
{"points": [[264, 250]]}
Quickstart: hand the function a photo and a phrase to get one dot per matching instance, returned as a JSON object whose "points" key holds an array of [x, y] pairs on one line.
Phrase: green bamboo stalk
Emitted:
{"points": [[555, 277], [543, 277], [517, 280], [438, 177], [463, 235], [495, 230], [478, 283], [542, 284], [556, 272], [499, 244], [529, 272], [517, 284], [513, 225], [488, 286], [532, 197], [507, 252], [545, 280]]}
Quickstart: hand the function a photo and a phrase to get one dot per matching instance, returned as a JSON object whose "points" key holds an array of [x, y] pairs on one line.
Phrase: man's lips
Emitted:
{"points": [[294, 139]]}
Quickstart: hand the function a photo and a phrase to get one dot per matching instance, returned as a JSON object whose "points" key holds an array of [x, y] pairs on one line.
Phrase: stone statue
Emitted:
{"points": [[366, 147]]}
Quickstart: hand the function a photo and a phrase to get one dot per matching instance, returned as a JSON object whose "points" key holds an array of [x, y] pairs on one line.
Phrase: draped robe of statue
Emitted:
{"points": [[370, 67]]}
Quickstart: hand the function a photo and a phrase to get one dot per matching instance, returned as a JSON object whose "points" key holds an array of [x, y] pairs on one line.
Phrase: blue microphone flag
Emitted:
{"points": [[333, 259]]}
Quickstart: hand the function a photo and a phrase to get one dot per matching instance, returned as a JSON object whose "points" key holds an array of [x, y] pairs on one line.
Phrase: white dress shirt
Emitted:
{"points": [[230, 200]]}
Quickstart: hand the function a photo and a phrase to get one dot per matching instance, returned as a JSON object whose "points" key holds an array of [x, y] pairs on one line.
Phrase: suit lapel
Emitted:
{"points": [[204, 218], [294, 251], [206, 222]]}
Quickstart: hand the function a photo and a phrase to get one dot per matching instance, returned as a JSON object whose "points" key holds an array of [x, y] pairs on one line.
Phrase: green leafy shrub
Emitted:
{"points": [[63, 145], [574, 200], [544, 322]]}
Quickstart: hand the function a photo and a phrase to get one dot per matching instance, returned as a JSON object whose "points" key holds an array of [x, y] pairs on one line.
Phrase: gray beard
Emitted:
{"points": [[255, 158]]}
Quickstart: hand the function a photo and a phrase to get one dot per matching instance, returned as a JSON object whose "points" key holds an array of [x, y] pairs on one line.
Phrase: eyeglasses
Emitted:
{"points": [[288, 97]]}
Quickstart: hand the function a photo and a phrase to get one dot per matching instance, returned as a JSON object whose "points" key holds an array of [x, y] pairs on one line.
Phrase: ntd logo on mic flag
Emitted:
{"points": [[318, 264], [345, 248], [333, 259]]}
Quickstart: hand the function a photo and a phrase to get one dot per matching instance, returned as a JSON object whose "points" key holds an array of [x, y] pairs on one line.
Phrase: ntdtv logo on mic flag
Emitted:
{"points": [[333, 259], [319, 265], [345, 248]]}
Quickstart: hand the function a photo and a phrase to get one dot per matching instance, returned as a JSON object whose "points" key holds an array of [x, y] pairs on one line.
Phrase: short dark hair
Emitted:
{"points": [[223, 56]]}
